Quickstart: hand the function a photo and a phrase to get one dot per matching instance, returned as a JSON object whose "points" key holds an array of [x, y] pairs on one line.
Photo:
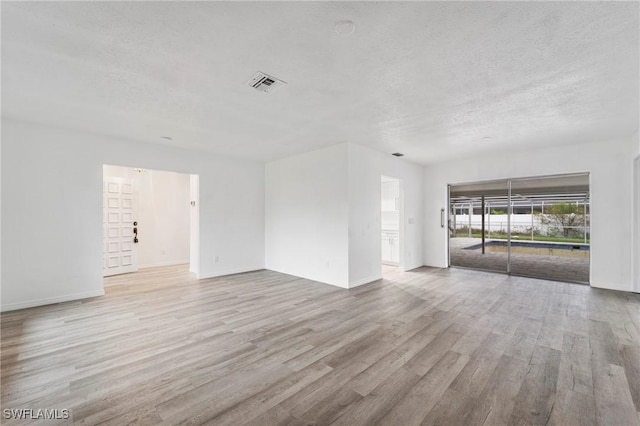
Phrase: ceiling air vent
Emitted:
{"points": [[265, 83]]}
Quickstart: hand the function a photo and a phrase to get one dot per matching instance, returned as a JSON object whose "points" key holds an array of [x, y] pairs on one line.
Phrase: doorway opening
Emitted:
{"points": [[536, 227], [391, 224], [150, 220], [636, 215]]}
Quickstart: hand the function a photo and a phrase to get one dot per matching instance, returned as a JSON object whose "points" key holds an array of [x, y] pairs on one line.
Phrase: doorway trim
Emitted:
{"points": [[194, 217]]}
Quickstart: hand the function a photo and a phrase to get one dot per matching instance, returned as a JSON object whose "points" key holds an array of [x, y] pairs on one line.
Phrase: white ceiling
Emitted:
{"points": [[434, 80]]}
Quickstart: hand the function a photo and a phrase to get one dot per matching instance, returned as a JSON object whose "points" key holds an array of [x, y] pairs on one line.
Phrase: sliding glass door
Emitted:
{"points": [[536, 227]]}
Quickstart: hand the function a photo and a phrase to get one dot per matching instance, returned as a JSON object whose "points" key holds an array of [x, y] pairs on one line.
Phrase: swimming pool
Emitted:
{"points": [[535, 248]]}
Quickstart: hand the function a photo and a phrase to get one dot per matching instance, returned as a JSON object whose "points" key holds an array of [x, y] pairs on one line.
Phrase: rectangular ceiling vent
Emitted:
{"points": [[265, 83]]}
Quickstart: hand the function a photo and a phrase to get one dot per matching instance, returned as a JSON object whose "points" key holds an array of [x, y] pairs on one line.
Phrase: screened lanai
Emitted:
{"points": [[536, 227]]}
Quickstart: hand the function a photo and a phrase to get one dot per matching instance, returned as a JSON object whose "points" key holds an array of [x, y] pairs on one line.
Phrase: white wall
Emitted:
{"points": [[366, 166], [323, 214], [52, 210], [611, 206], [1, 236], [163, 212], [306, 215]]}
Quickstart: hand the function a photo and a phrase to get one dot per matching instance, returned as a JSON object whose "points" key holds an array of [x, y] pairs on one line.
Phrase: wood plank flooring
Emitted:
{"points": [[429, 346]]}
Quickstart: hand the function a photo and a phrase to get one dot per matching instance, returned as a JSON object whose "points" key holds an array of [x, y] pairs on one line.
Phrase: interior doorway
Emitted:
{"points": [[150, 219], [636, 221], [391, 224]]}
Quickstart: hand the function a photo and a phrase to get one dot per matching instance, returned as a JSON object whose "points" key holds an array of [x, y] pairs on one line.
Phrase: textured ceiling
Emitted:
{"points": [[434, 80]]}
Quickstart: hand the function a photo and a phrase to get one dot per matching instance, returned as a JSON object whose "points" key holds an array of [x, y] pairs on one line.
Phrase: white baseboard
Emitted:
{"points": [[51, 300], [345, 286], [365, 281], [610, 287], [231, 271], [169, 263]]}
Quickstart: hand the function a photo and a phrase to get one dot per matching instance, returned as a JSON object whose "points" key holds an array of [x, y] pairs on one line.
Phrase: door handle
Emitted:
{"points": [[135, 232]]}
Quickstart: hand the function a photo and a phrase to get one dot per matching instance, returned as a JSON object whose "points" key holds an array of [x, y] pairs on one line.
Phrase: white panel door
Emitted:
{"points": [[119, 215]]}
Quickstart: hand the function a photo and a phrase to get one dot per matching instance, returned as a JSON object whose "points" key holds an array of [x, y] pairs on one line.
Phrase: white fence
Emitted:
{"points": [[520, 224]]}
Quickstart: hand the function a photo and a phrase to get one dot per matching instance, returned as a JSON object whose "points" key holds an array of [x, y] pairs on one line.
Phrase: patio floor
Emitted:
{"points": [[547, 267]]}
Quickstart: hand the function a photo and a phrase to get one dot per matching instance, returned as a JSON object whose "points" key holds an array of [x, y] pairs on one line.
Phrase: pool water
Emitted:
{"points": [[537, 249]]}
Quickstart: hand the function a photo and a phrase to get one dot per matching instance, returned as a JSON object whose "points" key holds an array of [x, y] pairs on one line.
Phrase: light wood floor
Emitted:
{"points": [[447, 347]]}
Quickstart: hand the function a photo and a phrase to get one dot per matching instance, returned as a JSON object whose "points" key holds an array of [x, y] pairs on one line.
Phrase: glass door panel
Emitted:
{"points": [[550, 227], [478, 225]]}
